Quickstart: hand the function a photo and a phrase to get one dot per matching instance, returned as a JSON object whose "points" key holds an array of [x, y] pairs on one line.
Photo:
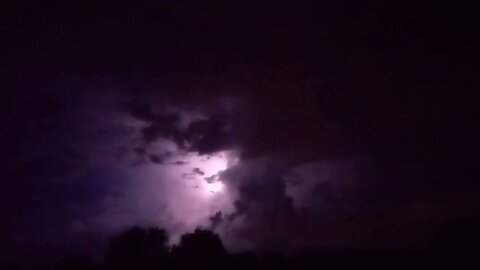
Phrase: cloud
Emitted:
{"points": [[261, 202], [141, 110], [304, 151], [325, 146], [198, 171], [188, 175], [156, 159], [179, 162], [216, 219], [163, 126], [208, 136], [140, 151], [271, 136], [212, 178]]}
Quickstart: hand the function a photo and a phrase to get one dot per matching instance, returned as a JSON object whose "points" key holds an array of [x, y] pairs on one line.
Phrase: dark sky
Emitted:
{"points": [[284, 125]]}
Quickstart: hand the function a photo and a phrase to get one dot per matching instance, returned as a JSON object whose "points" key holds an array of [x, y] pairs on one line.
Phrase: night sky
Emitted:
{"points": [[280, 126]]}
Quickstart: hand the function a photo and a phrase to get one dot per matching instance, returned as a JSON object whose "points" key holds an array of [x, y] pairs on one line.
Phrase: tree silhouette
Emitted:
{"points": [[147, 249], [201, 248], [78, 262], [460, 238], [138, 248]]}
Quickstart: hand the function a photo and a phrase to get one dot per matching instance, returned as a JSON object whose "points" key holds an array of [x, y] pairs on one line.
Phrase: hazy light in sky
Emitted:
{"points": [[208, 170], [179, 191], [214, 187], [182, 192], [210, 165]]}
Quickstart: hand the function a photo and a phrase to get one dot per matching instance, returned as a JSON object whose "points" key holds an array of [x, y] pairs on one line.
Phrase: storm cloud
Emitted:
{"points": [[283, 127]]}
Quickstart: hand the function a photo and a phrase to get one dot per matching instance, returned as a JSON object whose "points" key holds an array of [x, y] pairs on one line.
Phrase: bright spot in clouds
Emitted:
{"points": [[208, 170], [214, 187], [210, 165], [183, 191]]}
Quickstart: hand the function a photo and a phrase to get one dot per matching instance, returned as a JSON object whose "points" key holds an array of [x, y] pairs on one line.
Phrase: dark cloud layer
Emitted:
{"points": [[354, 123]]}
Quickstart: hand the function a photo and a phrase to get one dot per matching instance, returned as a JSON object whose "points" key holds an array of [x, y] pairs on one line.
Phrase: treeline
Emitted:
{"points": [[149, 249]]}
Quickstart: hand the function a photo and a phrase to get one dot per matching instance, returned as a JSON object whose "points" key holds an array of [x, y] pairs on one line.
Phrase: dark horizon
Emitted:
{"points": [[327, 125], [150, 248]]}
